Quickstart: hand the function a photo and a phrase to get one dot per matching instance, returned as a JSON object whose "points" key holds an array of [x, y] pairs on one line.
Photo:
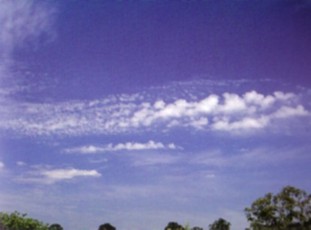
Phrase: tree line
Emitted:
{"points": [[290, 209]]}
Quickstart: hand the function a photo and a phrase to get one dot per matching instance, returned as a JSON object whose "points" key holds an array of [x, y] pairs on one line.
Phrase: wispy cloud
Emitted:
{"points": [[20, 163], [250, 158], [1, 165], [23, 23], [67, 174], [42, 175], [128, 146], [227, 112], [153, 159]]}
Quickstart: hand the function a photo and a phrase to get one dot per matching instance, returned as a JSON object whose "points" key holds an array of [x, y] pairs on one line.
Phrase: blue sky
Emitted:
{"points": [[144, 112]]}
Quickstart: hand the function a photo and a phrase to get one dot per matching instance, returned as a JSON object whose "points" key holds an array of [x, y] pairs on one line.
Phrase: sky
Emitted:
{"points": [[139, 113]]}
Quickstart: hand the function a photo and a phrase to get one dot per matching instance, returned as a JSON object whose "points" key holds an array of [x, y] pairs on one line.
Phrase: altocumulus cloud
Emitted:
{"points": [[228, 112], [128, 146]]}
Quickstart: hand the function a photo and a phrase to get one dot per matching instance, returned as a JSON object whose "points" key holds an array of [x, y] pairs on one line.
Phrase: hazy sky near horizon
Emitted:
{"points": [[139, 113]]}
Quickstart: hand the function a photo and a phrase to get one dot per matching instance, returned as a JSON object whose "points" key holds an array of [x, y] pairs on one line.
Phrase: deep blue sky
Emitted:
{"points": [[144, 112]]}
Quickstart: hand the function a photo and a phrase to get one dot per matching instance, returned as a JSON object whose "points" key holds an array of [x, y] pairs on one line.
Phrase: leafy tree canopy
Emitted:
{"points": [[18, 221], [288, 207], [220, 224]]}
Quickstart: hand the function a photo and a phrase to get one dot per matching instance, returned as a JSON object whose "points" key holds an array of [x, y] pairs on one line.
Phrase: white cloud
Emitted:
{"points": [[199, 123], [143, 146], [229, 112], [233, 103], [258, 99], [286, 111], [128, 146], [246, 123], [46, 175], [208, 104], [85, 149], [284, 96], [67, 174]]}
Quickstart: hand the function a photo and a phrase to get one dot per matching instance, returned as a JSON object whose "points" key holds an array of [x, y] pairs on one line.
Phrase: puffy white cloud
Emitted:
{"points": [[232, 112], [286, 111], [128, 146], [246, 123], [232, 103], [258, 99], [159, 104], [199, 123], [207, 105], [283, 96]]}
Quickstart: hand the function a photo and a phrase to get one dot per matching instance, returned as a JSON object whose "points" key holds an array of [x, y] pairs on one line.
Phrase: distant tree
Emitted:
{"points": [[220, 224], [55, 227], [106, 226], [18, 221], [196, 228], [290, 207], [174, 226]]}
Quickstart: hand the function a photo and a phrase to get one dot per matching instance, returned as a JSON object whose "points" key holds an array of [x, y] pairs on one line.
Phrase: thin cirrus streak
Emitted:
{"points": [[128, 146], [51, 176], [228, 112]]}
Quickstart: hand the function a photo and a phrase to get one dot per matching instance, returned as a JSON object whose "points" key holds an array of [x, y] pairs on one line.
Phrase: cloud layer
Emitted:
{"points": [[227, 112]]}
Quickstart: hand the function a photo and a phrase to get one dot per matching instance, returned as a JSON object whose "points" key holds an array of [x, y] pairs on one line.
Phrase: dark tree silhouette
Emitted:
{"points": [[174, 226], [196, 228], [106, 226], [55, 227], [220, 224]]}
